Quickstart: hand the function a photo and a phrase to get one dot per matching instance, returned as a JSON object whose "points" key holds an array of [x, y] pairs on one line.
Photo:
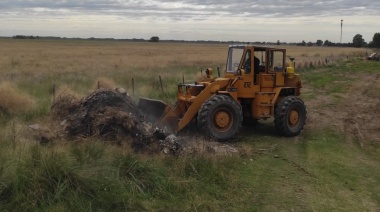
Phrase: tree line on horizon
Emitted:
{"points": [[357, 41]]}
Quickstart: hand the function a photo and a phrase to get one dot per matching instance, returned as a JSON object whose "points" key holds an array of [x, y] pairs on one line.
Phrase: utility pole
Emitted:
{"points": [[341, 30]]}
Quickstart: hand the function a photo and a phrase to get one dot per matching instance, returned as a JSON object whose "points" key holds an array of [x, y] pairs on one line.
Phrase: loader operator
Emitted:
{"points": [[247, 65]]}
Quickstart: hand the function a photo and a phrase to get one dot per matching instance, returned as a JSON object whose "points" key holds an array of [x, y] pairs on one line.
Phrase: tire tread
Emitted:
{"points": [[203, 114]]}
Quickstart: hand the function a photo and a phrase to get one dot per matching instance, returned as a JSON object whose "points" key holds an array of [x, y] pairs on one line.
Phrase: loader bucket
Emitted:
{"points": [[158, 113]]}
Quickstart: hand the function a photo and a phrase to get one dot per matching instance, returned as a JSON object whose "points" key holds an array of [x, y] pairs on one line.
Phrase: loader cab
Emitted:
{"points": [[253, 61]]}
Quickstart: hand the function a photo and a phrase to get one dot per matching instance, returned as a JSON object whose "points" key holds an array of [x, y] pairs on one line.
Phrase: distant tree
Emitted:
{"points": [[25, 37], [19, 37], [303, 43], [319, 43], [278, 42], [327, 43], [376, 40], [358, 41], [154, 39], [370, 44], [309, 43]]}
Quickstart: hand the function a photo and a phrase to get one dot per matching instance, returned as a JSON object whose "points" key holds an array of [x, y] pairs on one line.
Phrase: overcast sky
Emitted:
{"points": [[237, 20]]}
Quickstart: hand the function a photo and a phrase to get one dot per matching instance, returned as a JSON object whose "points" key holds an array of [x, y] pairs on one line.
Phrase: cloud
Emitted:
{"points": [[196, 8], [228, 17]]}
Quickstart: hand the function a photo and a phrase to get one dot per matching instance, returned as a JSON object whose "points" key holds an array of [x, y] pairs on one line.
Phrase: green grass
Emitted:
{"points": [[146, 83], [337, 78], [87, 176], [358, 66], [317, 172], [329, 80]]}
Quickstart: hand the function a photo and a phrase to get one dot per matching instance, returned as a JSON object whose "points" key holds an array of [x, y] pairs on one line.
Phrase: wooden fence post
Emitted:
{"points": [[133, 87], [53, 92], [162, 88]]}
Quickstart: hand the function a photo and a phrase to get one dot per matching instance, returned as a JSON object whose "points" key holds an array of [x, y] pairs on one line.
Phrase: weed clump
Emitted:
{"points": [[65, 90], [13, 100], [105, 83], [64, 104]]}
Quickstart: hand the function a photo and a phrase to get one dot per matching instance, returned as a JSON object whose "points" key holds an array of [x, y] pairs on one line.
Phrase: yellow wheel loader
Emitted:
{"points": [[257, 84]]}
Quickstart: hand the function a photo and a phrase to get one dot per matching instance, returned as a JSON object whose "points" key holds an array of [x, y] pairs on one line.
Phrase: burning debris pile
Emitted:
{"points": [[111, 115]]}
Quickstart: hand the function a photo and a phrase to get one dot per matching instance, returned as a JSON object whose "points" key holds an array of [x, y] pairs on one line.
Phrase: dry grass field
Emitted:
{"points": [[79, 63], [332, 166], [98, 57]]}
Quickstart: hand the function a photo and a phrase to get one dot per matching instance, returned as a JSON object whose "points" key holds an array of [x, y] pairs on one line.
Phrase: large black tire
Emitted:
{"points": [[220, 117], [290, 116]]}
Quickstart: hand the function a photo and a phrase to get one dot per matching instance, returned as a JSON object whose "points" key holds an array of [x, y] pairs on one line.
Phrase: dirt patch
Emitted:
{"points": [[363, 107], [355, 113]]}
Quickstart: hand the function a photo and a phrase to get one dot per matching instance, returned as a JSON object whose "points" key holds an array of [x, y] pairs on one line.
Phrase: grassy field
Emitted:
{"points": [[35, 65], [332, 166]]}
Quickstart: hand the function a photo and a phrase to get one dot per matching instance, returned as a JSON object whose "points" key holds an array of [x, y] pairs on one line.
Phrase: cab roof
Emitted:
{"points": [[257, 47]]}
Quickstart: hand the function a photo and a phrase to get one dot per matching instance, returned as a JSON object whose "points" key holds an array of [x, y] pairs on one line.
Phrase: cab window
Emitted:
{"points": [[234, 58], [276, 63]]}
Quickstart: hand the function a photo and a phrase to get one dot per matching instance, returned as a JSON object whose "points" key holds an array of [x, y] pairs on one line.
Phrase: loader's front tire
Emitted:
{"points": [[220, 117], [290, 116]]}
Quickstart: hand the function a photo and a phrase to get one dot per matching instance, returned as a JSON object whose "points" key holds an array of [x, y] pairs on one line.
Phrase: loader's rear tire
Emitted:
{"points": [[220, 117], [290, 116]]}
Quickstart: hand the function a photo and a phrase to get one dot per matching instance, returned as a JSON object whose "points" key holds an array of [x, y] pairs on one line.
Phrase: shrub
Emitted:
{"points": [[13, 100]]}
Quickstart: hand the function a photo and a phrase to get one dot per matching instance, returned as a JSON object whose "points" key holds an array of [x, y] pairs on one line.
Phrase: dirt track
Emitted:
{"points": [[356, 113]]}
